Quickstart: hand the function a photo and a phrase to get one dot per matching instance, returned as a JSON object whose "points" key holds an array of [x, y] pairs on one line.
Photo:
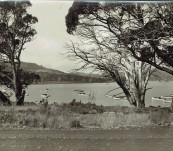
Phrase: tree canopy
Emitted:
{"points": [[16, 29], [99, 48], [144, 29]]}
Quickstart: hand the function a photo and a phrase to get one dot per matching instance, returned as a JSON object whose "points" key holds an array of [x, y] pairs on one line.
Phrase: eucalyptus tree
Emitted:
{"points": [[144, 29], [99, 50], [16, 29]]}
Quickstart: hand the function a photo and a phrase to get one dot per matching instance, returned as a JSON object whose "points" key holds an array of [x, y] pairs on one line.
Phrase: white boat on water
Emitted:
{"points": [[26, 94], [79, 90], [110, 96], [43, 96], [165, 99], [120, 98], [117, 98], [157, 98], [83, 94]]}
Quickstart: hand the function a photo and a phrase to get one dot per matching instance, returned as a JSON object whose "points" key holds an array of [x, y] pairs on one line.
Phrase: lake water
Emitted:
{"points": [[65, 93]]}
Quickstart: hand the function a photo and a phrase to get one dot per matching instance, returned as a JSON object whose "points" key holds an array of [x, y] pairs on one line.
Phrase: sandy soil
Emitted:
{"points": [[136, 139]]}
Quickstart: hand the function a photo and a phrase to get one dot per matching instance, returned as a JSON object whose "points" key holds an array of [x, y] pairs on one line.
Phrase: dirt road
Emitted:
{"points": [[148, 139]]}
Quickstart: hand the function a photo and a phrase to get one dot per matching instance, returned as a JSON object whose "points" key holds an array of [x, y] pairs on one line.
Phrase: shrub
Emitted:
{"points": [[114, 120], [82, 108], [75, 124], [160, 117]]}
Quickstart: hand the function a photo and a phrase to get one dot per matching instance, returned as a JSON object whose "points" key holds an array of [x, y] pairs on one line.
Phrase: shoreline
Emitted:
{"points": [[55, 82], [81, 82]]}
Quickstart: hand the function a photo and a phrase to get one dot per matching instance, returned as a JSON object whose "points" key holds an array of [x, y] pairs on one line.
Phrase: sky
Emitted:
{"points": [[48, 46]]}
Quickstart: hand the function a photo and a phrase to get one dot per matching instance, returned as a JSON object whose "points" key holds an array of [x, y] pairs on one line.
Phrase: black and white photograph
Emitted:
{"points": [[83, 75]]}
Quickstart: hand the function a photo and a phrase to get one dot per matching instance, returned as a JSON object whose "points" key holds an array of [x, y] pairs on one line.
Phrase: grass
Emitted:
{"points": [[35, 117], [160, 117], [113, 120], [79, 115]]}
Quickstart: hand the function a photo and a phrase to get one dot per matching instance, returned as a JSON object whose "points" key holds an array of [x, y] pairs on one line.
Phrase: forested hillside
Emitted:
{"points": [[55, 76], [51, 76]]}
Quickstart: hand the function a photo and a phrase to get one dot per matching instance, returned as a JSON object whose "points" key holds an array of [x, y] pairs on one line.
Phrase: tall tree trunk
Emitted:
{"points": [[15, 83], [137, 85], [139, 97], [141, 101], [20, 99], [19, 93], [129, 96], [140, 86], [141, 104], [134, 98]]}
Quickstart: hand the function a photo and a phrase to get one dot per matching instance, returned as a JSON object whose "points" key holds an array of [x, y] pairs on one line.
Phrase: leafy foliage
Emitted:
{"points": [[79, 8], [15, 28], [15, 31], [146, 30], [24, 78], [101, 46]]}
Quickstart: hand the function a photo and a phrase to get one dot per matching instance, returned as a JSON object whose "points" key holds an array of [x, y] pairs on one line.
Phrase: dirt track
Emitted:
{"points": [[149, 139]]}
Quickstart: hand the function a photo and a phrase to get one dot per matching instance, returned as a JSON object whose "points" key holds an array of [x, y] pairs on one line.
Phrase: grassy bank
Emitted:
{"points": [[79, 115]]}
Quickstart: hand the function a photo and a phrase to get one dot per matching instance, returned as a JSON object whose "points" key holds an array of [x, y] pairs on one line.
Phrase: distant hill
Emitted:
{"points": [[86, 74], [56, 76], [157, 75], [37, 68], [161, 75]]}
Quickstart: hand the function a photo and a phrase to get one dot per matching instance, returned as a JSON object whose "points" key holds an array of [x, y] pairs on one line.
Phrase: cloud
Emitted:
{"points": [[48, 45]]}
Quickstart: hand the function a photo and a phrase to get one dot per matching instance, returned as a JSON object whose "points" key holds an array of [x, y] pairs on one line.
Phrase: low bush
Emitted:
{"points": [[81, 108], [160, 117], [75, 124], [113, 120]]}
